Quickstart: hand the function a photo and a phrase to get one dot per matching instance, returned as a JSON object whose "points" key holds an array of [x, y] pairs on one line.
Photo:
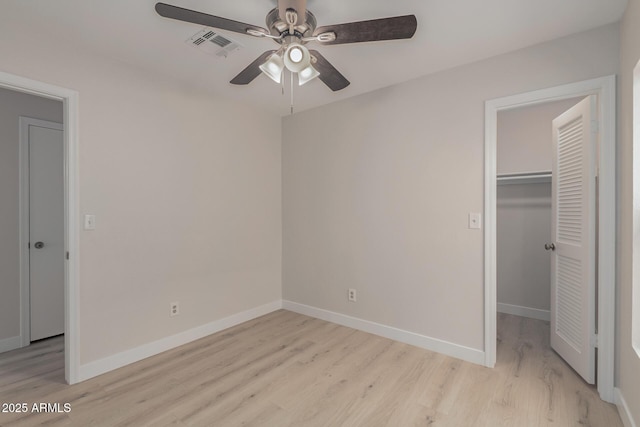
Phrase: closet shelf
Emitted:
{"points": [[524, 178]]}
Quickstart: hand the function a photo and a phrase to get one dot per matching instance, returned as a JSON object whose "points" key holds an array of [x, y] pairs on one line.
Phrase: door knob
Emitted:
{"points": [[550, 246], [38, 245]]}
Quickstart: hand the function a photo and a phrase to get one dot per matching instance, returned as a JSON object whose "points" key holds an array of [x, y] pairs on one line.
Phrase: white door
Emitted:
{"points": [[573, 266], [46, 229]]}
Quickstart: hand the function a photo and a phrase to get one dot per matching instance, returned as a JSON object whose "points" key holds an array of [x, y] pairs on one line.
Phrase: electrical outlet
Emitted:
{"points": [[352, 295], [175, 308]]}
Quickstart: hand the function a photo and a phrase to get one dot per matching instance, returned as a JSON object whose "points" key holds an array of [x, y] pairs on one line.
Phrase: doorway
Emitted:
{"points": [[604, 88], [536, 272], [69, 99], [523, 216]]}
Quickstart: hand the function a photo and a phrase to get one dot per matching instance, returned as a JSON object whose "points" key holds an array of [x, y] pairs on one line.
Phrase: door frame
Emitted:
{"points": [[605, 89], [24, 221], [70, 107]]}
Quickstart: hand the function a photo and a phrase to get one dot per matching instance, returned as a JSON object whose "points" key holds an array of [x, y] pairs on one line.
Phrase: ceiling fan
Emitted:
{"points": [[292, 26]]}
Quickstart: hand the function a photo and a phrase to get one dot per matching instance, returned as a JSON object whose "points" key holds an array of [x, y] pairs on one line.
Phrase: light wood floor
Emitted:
{"points": [[285, 369]]}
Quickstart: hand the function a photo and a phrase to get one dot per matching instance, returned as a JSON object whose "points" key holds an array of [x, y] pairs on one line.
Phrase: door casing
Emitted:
{"points": [[70, 107], [605, 89]]}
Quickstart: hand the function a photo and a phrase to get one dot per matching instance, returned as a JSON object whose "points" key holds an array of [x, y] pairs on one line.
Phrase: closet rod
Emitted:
{"points": [[524, 178]]}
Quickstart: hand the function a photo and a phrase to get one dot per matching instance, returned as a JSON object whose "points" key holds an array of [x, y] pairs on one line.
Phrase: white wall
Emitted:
{"points": [[12, 106], [524, 137], [523, 266], [524, 210], [186, 190], [628, 362], [377, 189]]}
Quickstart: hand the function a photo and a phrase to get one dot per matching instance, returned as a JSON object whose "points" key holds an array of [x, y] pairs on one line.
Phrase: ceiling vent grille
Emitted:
{"points": [[210, 42]]}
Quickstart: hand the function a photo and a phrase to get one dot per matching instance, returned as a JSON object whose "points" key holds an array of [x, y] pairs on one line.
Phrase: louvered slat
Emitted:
{"points": [[570, 215], [570, 183], [569, 301]]}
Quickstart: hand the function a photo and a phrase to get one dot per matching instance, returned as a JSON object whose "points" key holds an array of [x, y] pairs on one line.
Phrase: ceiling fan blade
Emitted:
{"points": [[249, 74], [187, 15], [397, 27], [328, 74]]}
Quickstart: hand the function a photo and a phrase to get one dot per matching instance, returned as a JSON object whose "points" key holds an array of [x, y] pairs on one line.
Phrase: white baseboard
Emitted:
{"points": [[533, 313], [623, 409], [422, 341], [8, 344], [127, 357]]}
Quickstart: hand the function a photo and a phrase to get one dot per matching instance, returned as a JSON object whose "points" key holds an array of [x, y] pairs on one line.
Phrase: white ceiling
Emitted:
{"points": [[450, 33]]}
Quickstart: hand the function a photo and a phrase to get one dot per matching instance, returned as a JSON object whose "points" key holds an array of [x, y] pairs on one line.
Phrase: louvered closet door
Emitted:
{"points": [[573, 233]]}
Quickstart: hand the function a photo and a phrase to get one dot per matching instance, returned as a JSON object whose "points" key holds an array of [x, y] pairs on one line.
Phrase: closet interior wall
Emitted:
{"points": [[524, 151]]}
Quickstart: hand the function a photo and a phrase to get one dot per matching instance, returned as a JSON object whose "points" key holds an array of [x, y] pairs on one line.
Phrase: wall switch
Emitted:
{"points": [[89, 222], [174, 309], [474, 220], [352, 295]]}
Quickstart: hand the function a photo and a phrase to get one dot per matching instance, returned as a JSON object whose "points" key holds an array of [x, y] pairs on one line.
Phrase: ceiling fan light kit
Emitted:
{"points": [[292, 26], [295, 55], [296, 58], [273, 67], [307, 74]]}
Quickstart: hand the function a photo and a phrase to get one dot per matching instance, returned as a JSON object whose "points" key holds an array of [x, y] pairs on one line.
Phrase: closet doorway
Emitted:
{"points": [[558, 203], [602, 156], [523, 215], [524, 226]]}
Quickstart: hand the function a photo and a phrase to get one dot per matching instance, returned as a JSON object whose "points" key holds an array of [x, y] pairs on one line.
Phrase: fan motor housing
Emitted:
{"points": [[278, 27]]}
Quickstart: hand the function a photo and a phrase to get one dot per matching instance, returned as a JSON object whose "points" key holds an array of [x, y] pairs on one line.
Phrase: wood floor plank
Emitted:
{"points": [[286, 369]]}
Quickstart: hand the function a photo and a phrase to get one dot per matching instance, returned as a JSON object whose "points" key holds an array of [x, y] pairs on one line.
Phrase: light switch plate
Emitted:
{"points": [[475, 220], [89, 222]]}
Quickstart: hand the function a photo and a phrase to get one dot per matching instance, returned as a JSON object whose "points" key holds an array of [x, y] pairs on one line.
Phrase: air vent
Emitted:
{"points": [[213, 43]]}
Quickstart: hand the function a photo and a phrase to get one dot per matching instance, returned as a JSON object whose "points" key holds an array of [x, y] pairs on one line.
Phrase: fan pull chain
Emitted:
{"points": [[291, 92]]}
